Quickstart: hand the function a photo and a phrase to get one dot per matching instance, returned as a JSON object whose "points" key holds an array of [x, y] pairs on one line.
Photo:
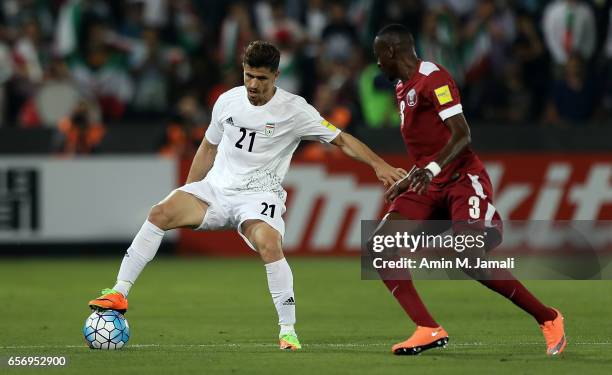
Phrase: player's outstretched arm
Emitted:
{"points": [[421, 177], [359, 151], [202, 161], [460, 138]]}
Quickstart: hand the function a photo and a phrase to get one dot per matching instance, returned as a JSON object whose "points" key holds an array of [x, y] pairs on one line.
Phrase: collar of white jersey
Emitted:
{"points": [[274, 98]]}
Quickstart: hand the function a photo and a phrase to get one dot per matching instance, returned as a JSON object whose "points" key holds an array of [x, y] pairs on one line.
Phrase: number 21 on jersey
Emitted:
{"points": [[243, 131]]}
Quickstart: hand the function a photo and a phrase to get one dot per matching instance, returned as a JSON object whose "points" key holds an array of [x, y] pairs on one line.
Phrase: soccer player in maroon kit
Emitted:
{"points": [[449, 182]]}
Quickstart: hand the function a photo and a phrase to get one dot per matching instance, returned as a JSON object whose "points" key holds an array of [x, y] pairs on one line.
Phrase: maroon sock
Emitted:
{"points": [[399, 282], [407, 296], [509, 287]]}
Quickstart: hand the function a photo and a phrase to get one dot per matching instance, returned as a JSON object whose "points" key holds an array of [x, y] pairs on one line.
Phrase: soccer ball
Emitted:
{"points": [[106, 329]]}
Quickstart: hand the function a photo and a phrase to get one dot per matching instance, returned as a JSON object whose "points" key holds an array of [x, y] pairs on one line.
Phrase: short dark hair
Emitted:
{"points": [[396, 33], [260, 54]]}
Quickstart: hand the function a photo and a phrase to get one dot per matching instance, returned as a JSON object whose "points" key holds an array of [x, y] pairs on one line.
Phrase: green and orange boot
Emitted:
{"points": [[110, 300], [289, 341]]}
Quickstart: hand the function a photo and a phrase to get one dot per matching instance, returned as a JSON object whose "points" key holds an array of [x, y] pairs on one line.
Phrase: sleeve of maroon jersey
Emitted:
{"points": [[443, 93]]}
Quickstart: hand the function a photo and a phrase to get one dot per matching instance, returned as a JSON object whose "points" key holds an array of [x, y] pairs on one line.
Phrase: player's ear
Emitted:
{"points": [[276, 74]]}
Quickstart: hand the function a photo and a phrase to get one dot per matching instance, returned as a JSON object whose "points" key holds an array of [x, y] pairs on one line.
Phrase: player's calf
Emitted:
{"points": [[267, 241]]}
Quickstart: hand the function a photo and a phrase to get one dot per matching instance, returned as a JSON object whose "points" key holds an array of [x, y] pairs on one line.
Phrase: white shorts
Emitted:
{"points": [[227, 211]]}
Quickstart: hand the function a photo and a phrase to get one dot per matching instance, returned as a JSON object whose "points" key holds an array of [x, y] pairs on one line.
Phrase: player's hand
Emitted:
{"points": [[419, 180], [389, 175], [399, 186], [396, 189]]}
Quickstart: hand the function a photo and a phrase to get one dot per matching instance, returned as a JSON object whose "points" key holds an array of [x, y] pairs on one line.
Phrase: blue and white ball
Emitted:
{"points": [[107, 330]]}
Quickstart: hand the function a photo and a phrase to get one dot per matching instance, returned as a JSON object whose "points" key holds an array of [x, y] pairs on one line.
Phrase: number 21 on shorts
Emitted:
{"points": [[268, 209]]}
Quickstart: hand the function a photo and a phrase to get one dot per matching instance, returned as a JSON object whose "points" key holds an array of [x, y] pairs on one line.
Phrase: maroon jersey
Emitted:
{"points": [[428, 98]]}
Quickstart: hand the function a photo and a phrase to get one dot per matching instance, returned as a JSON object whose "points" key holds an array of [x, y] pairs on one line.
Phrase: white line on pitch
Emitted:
{"points": [[313, 345]]}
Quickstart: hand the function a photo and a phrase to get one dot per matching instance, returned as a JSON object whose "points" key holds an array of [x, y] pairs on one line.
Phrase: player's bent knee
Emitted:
{"points": [[269, 251], [160, 215]]}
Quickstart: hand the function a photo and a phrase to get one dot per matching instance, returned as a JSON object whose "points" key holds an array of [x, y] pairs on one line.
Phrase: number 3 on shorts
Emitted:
{"points": [[267, 207], [474, 203]]}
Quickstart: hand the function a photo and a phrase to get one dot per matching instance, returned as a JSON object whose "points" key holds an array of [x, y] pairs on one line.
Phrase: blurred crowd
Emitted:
{"points": [[84, 65]]}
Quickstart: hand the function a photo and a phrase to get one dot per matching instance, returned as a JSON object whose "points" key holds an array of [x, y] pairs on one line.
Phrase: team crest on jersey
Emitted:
{"points": [[412, 98], [270, 129]]}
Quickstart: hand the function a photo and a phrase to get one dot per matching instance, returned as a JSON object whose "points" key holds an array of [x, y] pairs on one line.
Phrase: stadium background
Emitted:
{"points": [[102, 104]]}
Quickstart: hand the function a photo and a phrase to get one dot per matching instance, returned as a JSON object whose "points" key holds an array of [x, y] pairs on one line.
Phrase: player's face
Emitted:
{"points": [[259, 83], [384, 58]]}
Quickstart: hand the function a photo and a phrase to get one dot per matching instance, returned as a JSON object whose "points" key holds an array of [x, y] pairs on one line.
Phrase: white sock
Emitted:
{"points": [[286, 328], [123, 287], [280, 283], [143, 249]]}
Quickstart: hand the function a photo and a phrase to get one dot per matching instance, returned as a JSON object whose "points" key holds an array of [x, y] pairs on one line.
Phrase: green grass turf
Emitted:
{"points": [[216, 316]]}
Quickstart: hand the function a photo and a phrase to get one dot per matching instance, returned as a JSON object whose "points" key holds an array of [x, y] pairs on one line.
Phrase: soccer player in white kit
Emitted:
{"points": [[235, 181]]}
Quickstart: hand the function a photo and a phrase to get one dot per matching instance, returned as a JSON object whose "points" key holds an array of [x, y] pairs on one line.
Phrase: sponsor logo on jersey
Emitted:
{"points": [[328, 125], [270, 129], [230, 121], [443, 94], [412, 98]]}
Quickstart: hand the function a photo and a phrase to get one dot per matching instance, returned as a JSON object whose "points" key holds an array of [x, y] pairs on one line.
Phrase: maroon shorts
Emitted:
{"points": [[466, 201]]}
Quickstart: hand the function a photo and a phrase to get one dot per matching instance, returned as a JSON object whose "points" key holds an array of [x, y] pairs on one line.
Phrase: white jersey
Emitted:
{"points": [[256, 143]]}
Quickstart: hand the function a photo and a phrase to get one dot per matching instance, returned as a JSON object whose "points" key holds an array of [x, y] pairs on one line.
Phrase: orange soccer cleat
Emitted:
{"points": [[110, 300], [554, 333], [422, 339]]}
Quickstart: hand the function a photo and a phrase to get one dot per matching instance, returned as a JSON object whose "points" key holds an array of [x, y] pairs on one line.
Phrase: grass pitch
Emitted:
{"points": [[216, 316]]}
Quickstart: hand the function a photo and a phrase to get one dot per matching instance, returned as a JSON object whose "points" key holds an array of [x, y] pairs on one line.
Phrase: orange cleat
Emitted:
{"points": [[554, 333], [110, 300], [422, 339]]}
